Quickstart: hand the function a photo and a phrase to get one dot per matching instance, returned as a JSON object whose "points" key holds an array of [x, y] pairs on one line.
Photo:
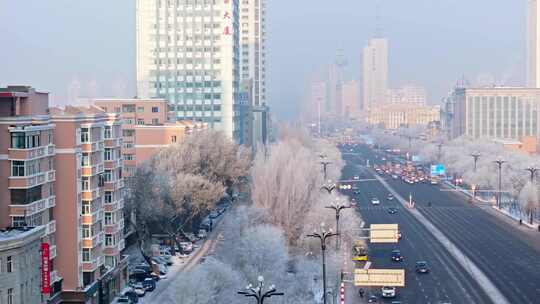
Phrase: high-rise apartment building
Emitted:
{"points": [[350, 99], [61, 169], [375, 73], [533, 44], [188, 53]]}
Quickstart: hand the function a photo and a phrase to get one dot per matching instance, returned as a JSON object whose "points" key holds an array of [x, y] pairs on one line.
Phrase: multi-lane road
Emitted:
{"points": [[502, 252]]}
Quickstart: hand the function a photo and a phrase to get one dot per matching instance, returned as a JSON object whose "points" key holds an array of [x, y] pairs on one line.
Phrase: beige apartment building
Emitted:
{"points": [[146, 128], [396, 115], [62, 169]]}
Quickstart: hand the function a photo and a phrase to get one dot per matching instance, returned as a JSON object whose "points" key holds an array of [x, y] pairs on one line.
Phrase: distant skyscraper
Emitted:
{"points": [[375, 73], [335, 84], [188, 53], [533, 44], [253, 61], [350, 99]]}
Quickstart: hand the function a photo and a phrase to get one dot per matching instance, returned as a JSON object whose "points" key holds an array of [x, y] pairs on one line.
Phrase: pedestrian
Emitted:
{"points": [[520, 221], [361, 292]]}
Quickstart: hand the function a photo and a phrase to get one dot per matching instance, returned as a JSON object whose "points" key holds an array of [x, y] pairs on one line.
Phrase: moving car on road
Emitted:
{"points": [[388, 292], [396, 255], [375, 201], [421, 267], [359, 252], [392, 210], [390, 197]]}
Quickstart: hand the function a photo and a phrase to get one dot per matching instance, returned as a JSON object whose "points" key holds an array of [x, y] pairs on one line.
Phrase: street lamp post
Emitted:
{"points": [[325, 165], [475, 156], [499, 163], [439, 145], [337, 208], [533, 171], [322, 236], [258, 292]]}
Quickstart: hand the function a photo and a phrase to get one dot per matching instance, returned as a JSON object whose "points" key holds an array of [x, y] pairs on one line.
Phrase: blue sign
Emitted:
{"points": [[437, 170], [416, 158]]}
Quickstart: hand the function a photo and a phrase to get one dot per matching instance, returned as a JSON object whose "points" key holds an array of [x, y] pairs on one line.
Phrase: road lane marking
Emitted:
{"points": [[478, 275]]}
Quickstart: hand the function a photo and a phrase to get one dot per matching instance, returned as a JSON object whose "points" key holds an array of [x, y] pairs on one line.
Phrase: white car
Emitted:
{"points": [[388, 292], [375, 201]]}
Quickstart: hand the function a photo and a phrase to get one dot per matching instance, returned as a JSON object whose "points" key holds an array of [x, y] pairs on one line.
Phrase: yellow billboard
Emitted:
{"points": [[379, 277]]}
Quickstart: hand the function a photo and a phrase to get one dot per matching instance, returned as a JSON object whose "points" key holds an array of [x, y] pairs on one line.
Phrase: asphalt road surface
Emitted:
{"points": [[500, 250]]}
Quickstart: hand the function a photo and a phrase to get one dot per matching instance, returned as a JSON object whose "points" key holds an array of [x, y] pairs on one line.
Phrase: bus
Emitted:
{"points": [[359, 252]]}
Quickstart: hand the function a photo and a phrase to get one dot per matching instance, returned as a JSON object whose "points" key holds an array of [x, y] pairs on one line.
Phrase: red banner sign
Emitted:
{"points": [[45, 269]]}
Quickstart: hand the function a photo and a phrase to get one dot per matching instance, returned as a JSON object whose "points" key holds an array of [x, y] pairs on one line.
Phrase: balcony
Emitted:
{"points": [[94, 217], [91, 195], [90, 147], [93, 241], [110, 207], [51, 227], [32, 208], [23, 182], [113, 164], [92, 170], [113, 142], [112, 228], [93, 264], [32, 153]]}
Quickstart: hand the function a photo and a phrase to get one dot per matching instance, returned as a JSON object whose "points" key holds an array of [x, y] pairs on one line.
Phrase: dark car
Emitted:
{"points": [[149, 284], [132, 296], [392, 210], [396, 255], [421, 267], [372, 299]]}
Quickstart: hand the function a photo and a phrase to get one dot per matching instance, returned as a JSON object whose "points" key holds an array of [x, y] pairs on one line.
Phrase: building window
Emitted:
{"points": [[140, 109], [129, 157], [155, 109], [155, 121], [128, 108], [86, 255], [140, 121], [108, 218], [85, 159], [10, 296], [109, 240], [173, 138], [85, 135], [19, 221], [9, 264], [18, 140], [86, 207], [108, 197], [128, 133], [107, 175], [108, 154], [86, 231], [17, 168], [108, 132], [85, 183]]}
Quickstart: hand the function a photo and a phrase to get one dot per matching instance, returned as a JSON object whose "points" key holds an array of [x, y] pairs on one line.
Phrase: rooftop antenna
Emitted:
{"points": [[378, 28]]}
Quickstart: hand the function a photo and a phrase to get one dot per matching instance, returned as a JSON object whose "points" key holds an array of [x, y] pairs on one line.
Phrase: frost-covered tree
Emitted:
{"points": [[529, 200]]}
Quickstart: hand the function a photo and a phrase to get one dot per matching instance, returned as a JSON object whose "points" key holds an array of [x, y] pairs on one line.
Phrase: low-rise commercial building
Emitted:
{"points": [[396, 115], [20, 265]]}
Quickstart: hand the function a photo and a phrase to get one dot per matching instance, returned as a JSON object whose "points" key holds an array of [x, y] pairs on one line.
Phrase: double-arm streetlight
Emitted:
{"points": [[258, 292], [439, 145], [325, 164], [499, 163], [337, 207], [475, 157], [322, 236], [533, 171]]}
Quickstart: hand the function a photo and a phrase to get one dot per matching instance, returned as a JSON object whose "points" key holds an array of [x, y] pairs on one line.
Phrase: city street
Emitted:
{"points": [[499, 249]]}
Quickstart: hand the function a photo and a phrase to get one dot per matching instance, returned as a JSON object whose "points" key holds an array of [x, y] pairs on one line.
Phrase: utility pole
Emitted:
{"points": [[499, 163], [322, 236], [439, 145]]}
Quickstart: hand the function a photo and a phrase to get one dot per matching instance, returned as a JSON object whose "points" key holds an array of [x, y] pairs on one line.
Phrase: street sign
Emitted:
{"points": [[379, 277], [383, 233], [437, 170]]}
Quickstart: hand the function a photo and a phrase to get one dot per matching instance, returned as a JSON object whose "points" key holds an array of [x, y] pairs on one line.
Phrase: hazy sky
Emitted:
{"points": [[57, 44]]}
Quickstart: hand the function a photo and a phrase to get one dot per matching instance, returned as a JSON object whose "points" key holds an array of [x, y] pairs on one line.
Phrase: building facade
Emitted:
{"points": [[351, 99], [27, 167], [188, 53], [147, 126], [375, 73], [533, 44], [20, 265], [396, 115], [90, 204], [499, 112], [408, 93]]}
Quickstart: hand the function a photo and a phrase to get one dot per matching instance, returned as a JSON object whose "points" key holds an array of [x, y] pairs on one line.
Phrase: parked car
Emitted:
{"points": [[372, 299], [138, 288], [149, 284], [388, 292], [122, 299], [131, 295], [202, 234], [421, 267], [186, 247], [214, 214]]}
